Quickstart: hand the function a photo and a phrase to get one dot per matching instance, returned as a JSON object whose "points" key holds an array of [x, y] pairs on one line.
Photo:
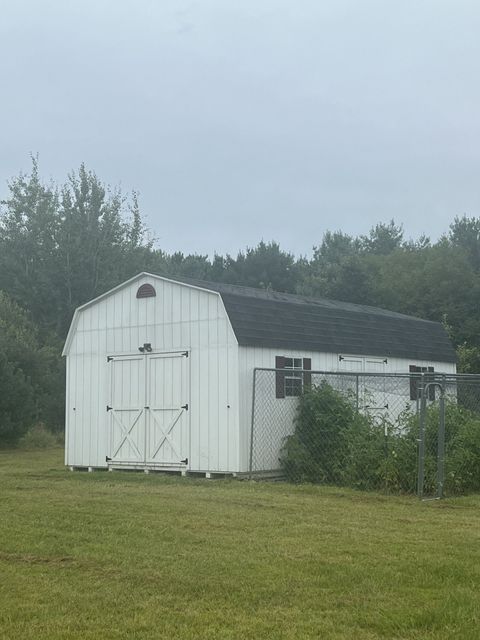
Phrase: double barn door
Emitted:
{"points": [[148, 410]]}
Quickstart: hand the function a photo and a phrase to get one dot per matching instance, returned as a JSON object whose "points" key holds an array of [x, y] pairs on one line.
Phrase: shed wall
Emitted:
{"points": [[179, 317], [252, 357]]}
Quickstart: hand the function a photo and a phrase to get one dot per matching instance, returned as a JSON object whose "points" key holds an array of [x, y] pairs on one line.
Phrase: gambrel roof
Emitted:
{"points": [[262, 318], [281, 320]]}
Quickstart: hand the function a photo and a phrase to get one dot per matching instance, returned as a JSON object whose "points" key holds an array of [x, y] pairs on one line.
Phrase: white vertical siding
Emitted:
{"points": [[69, 404], [252, 357], [178, 318]]}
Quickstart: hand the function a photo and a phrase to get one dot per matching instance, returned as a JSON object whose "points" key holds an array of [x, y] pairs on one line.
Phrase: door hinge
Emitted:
{"points": [[107, 459], [340, 358], [109, 358], [185, 353], [109, 408], [385, 361], [184, 461], [184, 406]]}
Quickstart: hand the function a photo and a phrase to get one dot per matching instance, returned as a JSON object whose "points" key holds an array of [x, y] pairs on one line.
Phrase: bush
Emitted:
{"points": [[335, 444], [38, 437], [17, 403], [332, 442], [462, 448], [31, 376]]}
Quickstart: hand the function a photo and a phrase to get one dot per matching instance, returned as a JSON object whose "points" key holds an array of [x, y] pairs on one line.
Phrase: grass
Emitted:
{"points": [[122, 555]]}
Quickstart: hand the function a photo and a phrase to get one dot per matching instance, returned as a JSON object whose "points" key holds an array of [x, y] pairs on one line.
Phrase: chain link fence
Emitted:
{"points": [[397, 433]]}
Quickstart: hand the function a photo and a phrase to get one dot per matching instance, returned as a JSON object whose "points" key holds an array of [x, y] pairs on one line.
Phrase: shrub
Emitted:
{"points": [[334, 444], [38, 437], [31, 375], [17, 405], [462, 448]]}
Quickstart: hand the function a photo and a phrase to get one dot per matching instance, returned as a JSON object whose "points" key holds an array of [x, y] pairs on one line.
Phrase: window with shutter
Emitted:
{"points": [[415, 381], [293, 376]]}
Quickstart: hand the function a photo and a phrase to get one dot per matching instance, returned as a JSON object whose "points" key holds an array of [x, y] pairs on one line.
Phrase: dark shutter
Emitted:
{"points": [[414, 380], [307, 377], [279, 377], [431, 378]]}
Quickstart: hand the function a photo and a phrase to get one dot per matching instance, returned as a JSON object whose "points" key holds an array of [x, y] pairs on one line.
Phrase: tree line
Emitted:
{"points": [[62, 245]]}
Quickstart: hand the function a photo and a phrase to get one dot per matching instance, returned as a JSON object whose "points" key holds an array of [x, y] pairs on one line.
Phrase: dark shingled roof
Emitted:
{"points": [[281, 320]]}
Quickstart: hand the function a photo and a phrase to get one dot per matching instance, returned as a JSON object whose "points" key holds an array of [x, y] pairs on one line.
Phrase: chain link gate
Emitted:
{"points": [[397, 433]]}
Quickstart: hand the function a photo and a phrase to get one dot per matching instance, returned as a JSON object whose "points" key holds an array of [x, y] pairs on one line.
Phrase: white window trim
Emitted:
{"points": [[296, 373]]}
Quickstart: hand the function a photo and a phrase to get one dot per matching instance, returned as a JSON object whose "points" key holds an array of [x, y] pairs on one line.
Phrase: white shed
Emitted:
{"points": [[160, 370]]}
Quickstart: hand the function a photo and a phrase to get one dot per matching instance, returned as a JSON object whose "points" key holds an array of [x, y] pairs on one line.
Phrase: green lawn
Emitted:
{"points": [[122, 555]]}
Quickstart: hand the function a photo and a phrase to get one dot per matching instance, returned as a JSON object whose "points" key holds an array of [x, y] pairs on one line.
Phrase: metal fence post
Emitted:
{"points": [[441, 444], [250, 464], [356, 391], [421, 438]]}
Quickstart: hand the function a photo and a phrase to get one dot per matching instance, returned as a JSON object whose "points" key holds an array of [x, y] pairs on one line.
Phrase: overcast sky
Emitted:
{"points": [[238, 120]]}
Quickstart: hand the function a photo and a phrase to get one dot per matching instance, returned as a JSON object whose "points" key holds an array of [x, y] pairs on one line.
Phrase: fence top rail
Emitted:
{"points": [[448, 377]]}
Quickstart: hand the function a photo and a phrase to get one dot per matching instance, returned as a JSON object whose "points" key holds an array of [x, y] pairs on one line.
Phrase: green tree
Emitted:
{"points": [[265, 266], [434, 283], [382, 239], [468, 358], [93, 239], [465, 234], [29, 227], [60, 247], [22, 372], [335, 247]]}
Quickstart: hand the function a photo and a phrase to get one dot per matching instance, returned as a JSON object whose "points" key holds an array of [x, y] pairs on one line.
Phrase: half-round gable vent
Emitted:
{"points": [[146, 291]]}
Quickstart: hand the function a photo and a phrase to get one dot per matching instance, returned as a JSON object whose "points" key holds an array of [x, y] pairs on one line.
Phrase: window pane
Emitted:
{"points": [[293, 386]]}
